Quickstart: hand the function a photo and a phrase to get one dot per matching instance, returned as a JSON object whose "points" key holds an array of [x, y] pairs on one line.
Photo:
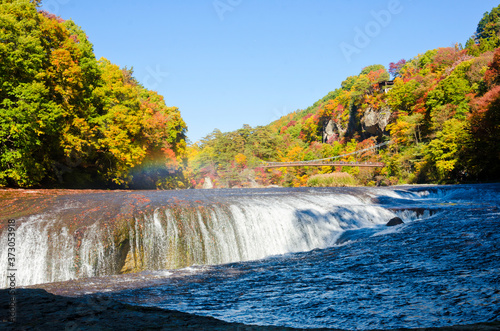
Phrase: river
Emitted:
{"points": [[304, 257]]}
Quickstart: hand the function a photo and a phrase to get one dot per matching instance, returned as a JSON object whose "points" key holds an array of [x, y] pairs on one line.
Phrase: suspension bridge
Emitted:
{"points": [[331, 161]]}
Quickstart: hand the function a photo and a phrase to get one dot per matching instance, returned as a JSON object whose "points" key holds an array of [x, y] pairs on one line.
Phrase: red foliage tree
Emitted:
{"points": [[492, 76], [485, 125], [52, 16], [395, 68], [449, 57]]}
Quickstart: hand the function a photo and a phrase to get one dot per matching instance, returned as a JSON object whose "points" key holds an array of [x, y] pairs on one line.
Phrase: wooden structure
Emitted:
{"points": [[385, 86], [323, 164], [331, 161]]}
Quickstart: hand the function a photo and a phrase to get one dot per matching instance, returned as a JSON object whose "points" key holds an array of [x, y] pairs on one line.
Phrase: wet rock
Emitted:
{"points": [[129, 264], [418, 211], [395, 221], [37, 309]]}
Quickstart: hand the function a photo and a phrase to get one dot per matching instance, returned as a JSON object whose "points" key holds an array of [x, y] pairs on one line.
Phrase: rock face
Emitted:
{"points": [[253, 183], [208, 183], [37, 309], [395, 221], [333, 130], [328, 131], [374, 121], [40, 310]]}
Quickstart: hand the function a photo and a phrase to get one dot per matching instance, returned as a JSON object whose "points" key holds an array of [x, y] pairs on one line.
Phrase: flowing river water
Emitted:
{"points": [[305, 258]]}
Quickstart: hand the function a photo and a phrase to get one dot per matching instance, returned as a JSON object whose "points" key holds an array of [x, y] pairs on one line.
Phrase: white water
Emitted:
{"points": [[35, 238], [246, 228]]}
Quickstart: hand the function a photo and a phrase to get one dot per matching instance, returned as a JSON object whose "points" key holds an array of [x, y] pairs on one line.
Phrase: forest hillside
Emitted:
{"points": [[440, 111], [68, 119]]}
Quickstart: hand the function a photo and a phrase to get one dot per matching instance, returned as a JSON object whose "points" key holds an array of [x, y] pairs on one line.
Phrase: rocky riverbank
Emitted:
{"points": [[36, 309]]}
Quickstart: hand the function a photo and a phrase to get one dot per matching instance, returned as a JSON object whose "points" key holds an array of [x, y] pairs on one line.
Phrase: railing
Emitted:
{"points": [[323, 162]]}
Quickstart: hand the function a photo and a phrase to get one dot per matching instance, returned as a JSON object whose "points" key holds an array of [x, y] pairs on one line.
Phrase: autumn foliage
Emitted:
{"points": [[441, 111], [68, 119]]}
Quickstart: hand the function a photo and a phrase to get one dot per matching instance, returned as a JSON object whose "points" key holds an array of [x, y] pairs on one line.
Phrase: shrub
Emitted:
{"points": [[335, 179]]}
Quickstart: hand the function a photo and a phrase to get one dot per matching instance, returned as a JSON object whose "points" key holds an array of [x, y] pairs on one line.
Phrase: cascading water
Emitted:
{"points": [[43, 253], [81, 240], [334, 266]]}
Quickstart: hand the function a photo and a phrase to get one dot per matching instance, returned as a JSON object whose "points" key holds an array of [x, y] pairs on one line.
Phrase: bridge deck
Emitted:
{"points": [[324, 164]]}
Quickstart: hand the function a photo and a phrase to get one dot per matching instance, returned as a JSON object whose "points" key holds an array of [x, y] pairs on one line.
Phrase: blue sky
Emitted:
{"points": [[226, 63]]}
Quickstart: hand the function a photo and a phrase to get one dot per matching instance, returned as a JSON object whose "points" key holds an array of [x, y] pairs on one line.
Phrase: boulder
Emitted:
{"points": [[395, 221]]}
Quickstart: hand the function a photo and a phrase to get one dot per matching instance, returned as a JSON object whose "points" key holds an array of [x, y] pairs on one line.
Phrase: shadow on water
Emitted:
{"points": [[40, 310], [437, 269]]}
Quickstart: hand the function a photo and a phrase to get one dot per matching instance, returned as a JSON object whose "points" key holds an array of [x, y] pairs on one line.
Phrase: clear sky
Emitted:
{"points": [[226, 63]]}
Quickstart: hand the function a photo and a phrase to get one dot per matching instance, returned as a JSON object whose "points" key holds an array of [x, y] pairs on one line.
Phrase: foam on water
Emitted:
{"points": [[308, 258], [243, 228], [239, 226]]}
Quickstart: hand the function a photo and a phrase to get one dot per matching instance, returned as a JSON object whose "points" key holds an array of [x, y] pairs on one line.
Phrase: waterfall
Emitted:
{"points": [[167, 235]]}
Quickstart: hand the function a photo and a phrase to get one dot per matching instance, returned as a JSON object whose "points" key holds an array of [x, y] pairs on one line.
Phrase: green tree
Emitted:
{"points": [[402, 97], [29, 120], [67, 118], [444, 152], [488, 29]]}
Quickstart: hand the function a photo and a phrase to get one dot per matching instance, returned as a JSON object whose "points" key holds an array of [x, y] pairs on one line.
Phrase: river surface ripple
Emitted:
{"points": [[439, 268]]}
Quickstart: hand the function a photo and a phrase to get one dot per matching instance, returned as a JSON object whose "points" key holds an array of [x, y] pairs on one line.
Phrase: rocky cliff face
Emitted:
{"points": [[207, 184], [332, 130], [372, 123]]}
